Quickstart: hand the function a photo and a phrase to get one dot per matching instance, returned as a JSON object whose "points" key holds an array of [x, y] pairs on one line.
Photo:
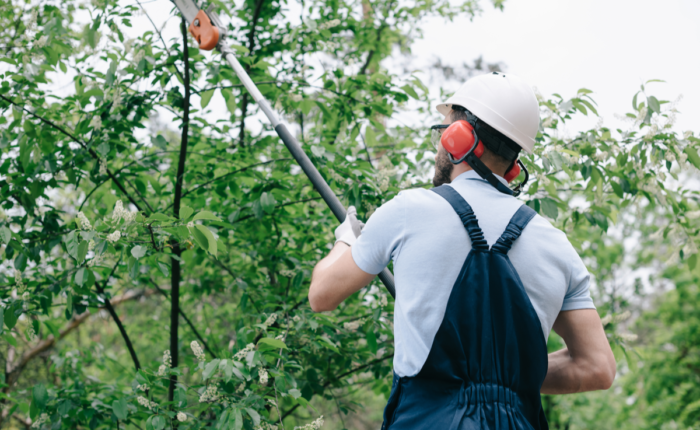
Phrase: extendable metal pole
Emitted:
{"points": [[297, 152]]}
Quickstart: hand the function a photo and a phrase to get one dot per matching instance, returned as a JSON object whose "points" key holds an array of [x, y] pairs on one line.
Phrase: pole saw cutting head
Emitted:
{"points": [[205, 26]]}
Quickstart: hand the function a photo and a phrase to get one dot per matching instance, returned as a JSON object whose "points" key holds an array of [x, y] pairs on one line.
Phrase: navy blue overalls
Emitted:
{"points": [[489, 357]]}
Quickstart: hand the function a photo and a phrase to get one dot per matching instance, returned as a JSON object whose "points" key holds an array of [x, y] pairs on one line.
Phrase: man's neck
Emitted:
{"points": [[464, 167]]}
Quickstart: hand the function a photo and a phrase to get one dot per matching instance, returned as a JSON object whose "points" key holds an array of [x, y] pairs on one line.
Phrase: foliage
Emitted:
{"points": [[129, 185]]}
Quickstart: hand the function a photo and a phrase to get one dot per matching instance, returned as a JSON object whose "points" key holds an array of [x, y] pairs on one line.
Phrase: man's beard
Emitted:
{"points": [[443, 169]]}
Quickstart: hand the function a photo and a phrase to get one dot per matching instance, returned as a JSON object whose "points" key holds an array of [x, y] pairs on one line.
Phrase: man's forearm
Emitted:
{"points": [[565, 375]]}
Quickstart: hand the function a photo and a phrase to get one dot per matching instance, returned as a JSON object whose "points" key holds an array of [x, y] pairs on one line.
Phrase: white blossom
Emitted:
{"points": [[243, 352], [692, 214], [240, 388], [142, 387], [352, 325], [181, 417], [118, 211], [313, 425], [40, 420], [94, 261], [606, 319], [296, 97], [329, 24], [622, 316], [690, 247], [270, 320], [111, 238], [629, 337], [190, 224], [209, 395], [31, 334], [83, 222], [601, 156], [96, 122], [383, 301], [197, 350], [139, 56], [161, 370], [687, 134], [41, 42], [670, 156], [263, 376], [287, 38], [116, 100], [287, 273], [146, 403], [26, 296], [167, 359], [297, 318], [18, 281], [103, 168], [91, 245]]}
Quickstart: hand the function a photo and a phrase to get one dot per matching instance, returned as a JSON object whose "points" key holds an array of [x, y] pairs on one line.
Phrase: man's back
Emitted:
{"points": [[425, 238]]}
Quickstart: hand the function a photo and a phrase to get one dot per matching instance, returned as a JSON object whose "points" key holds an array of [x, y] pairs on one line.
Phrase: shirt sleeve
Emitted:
{"points": [[578, 295], [381, 237]]}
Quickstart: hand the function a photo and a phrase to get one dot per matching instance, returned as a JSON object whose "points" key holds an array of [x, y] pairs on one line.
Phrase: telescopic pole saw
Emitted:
{"points": [[207, 29]]}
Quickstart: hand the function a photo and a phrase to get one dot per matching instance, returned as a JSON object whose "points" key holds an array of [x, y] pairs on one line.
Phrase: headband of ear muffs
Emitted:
{"points": [[458, 140]]}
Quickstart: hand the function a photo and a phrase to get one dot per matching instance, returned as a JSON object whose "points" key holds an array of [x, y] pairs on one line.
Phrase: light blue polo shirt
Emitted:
{"points": [[428, 244]]}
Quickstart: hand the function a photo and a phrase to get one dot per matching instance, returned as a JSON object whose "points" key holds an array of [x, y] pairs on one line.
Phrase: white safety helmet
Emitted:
{"points": [[503, 101]]}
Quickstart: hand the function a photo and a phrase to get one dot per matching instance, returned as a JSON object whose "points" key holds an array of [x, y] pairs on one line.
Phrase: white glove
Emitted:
{"points": [[350, 229]]}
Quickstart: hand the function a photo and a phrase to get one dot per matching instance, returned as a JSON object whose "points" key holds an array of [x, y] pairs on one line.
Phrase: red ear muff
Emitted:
{"points": [[513, 172], [458, 139]]}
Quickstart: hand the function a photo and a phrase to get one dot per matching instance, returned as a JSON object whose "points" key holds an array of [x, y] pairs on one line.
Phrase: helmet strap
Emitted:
{"points": [[480, 168]]}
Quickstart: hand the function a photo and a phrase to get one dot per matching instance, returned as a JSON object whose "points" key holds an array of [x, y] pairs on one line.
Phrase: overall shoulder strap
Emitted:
{"points": [[514, 229], [466, 214]]}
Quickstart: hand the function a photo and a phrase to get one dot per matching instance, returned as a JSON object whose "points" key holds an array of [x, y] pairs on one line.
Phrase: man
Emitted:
{"points": [[480, 279]]}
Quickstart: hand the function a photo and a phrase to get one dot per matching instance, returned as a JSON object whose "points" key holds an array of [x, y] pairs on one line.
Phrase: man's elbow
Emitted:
{"points": [[318, 301], [604, 374]]}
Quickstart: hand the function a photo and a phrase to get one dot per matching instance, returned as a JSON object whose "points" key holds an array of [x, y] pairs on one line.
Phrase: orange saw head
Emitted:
{"points": [[206, 34]]}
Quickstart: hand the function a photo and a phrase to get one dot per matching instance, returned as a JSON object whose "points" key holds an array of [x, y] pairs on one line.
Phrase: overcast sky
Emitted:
{"points": [[607, 46]]}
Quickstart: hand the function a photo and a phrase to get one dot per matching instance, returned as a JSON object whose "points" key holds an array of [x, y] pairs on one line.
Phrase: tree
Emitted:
{"points": [[126, 185]]}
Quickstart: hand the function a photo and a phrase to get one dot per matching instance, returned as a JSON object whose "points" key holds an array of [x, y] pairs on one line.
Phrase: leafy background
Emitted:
{"points": [[146, 206]]}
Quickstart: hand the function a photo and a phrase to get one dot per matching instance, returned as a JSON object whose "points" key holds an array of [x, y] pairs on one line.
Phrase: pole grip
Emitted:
{"points": [[324, 190]]}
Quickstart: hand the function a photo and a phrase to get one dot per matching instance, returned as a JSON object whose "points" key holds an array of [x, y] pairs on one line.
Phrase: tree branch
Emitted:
{"points": [[182, 314], [115, 317], [175, 273], [251, 45], [92, 153]]}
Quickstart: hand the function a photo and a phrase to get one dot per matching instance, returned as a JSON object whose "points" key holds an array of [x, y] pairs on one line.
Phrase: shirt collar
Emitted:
{"points": [[471, 174]]}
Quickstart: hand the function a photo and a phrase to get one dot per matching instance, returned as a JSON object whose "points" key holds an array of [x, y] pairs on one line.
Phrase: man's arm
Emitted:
{"points": [[335, 278], [587, 363]]}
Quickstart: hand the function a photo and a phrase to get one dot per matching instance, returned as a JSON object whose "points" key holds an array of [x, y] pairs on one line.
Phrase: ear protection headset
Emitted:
{"points": [[458, 140]]}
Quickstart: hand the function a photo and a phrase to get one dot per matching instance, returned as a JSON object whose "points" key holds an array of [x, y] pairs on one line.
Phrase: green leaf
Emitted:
{"points": [[294, 393], [82, 250], [549, 208], [81, 276], [230, 101], [275, 343], [39, 395], [160, 142], [134, 266], [6, 234], [164, 269], [410, 91], [200, 238], [693, 156], [119, 407], [206, 97], [2, 318], [617, 189], [372, 341], [138, 251], [654, 104], [206, 215], [158, 422], [158, 217], [254, 415], [239, 48], [21, 262], [211, 242], [10, 317], [238, 422], [185, 212], [268, 202], [210, 368], [180, 398]]}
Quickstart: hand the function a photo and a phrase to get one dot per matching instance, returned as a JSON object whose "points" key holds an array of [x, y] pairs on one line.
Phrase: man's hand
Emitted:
{"points": [[350, 229], [336, 277], [587, 363]]}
